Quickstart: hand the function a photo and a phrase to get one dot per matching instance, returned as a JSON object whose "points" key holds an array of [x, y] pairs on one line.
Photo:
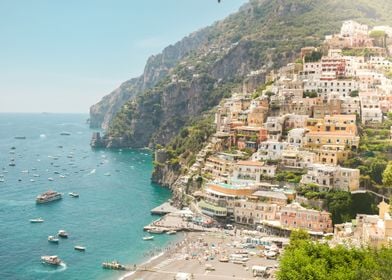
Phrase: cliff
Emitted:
{"points": [[192, 76]]}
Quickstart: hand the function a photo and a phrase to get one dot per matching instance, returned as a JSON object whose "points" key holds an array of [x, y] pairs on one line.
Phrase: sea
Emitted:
{"points": [[115, 199]]}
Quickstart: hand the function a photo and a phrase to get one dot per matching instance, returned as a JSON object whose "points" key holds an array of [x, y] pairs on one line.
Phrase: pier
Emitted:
{"points": [[163, 209]]}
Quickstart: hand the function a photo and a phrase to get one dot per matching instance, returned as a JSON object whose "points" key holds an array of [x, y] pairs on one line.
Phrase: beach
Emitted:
{"points": [[206, 256]]}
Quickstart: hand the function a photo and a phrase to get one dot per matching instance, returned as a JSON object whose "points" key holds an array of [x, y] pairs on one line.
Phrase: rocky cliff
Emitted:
{"points": [[192, 76]]}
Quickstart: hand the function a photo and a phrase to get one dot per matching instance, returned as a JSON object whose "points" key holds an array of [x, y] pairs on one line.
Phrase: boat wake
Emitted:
{"points": [[51, 269], [42, 136]]}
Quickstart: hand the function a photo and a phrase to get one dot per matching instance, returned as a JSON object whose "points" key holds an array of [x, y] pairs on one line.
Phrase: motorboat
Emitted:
{"points": [[147, 238], [62, 233], [12, 164], [113, 265], [50, 179], [80, 248], [170, 232], [73, 194], [37, 220], [52, 260], [107, 174], [20, 137], [155, 230], [48, 197], [53, 239], [65, 133]]}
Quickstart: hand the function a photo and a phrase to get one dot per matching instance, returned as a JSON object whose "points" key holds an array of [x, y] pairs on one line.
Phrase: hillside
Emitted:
{"points": [[193, 75]]}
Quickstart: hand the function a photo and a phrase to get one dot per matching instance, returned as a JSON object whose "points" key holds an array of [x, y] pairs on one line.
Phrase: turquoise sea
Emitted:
{"points": [[115, 199]]}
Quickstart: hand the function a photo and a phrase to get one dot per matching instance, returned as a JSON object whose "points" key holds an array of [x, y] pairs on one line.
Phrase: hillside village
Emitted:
{"points": [[294, 139]]}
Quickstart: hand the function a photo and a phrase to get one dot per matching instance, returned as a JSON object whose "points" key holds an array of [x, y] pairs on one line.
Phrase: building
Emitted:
{"points": [[331, 154], [219, 167], [251, 212], [294, 216], [329, 177], [270, 150], [271, 197], [252, 171]]}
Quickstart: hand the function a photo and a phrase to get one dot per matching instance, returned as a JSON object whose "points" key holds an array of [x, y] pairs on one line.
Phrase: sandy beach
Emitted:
{"points": [[201, 254]]}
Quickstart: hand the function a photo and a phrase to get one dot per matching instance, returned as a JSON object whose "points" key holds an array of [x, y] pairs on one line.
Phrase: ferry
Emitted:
{"points": [[62, 233], [53, 239], [37, 220], [80, 248], [113, 265], [48, 197], [147, 238], [53, 260]]}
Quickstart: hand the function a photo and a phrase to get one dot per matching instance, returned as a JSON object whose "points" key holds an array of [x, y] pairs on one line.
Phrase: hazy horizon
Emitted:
{"points": [[62, 57]]}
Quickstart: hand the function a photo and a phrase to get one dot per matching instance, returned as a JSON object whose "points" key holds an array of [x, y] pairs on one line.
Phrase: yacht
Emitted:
{"points": [[37, 220], [62, 233], [53, 260], [48, 197], [73, 194], [53, 239]]}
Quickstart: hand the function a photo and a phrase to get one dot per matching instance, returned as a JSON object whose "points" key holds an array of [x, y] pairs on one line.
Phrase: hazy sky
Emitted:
{"points": [[63, 56]]}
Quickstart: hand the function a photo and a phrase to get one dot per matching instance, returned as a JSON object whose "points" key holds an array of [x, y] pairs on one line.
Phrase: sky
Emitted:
{"points": [[64, 56]]}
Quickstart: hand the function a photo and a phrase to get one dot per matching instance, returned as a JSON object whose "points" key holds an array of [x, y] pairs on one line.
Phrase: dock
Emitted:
{"points": [[164, 209]]}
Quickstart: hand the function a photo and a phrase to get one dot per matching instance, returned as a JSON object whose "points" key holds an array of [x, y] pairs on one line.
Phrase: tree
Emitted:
{"points": [[387, 175], [377, 168]]}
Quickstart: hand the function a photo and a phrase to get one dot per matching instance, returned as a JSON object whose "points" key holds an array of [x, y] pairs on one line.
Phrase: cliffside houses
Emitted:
{"points": [[306, 121]]}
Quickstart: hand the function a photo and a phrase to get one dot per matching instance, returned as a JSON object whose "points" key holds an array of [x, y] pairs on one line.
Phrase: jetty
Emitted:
{"points": [[163, 209]]}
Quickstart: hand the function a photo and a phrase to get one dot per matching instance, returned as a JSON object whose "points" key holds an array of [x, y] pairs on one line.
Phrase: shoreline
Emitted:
{"points": [[158, 258]]}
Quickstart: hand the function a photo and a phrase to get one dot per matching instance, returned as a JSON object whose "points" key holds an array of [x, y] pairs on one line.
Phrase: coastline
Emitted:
{"points": [[158, 258]]}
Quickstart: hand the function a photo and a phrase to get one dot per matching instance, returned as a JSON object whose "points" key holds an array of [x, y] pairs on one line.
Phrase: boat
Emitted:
{"points": [[224, 259], [53, 239], [113, 265], [62, 233], [146, 238], [37, 220], [107, 174], [50, 179], [2, 180], [73, 194], [62, 176], [155, 230], [171, 232], [20, 137], [32, 180], [11, 164], [35, 175], [80, 248], [48, 197], [65, 133], [52, 260]]}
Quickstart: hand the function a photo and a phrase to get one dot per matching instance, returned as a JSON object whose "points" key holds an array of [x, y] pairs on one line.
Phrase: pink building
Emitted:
{"points": [[295, 216]]}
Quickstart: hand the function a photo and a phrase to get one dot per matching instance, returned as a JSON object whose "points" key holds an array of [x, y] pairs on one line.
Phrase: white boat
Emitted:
{"points": [[32, 180], [35, 175], [53, 239], [146, 238], [2, 180], [73, 194], [107, 174], [37, 220], [53, 260], [155, 230], [80, 248], [171, 232], [62, 176], [62, 233], [24, 171]]}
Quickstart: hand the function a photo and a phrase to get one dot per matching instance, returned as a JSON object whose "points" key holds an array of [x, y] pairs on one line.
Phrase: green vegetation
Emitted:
{"points": [[309, 260], [387, 175], [289, 176], [310, 94], [314, 56], [359, 52]]}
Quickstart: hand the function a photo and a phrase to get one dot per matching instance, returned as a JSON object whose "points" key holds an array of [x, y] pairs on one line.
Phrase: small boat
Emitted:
{"points": [[80, 248], [32, 180], [62, 176], [73, 194], [113, 265], [37, 220], [24, 171], [107, 174], [62, 233], [170, 232], [224, 259], [155, 230], [2, 180], [64, 133], [11, 164], [20, 137], [146, 238], [35, 175], [52, 260], [53, 239], [50, 179]]}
